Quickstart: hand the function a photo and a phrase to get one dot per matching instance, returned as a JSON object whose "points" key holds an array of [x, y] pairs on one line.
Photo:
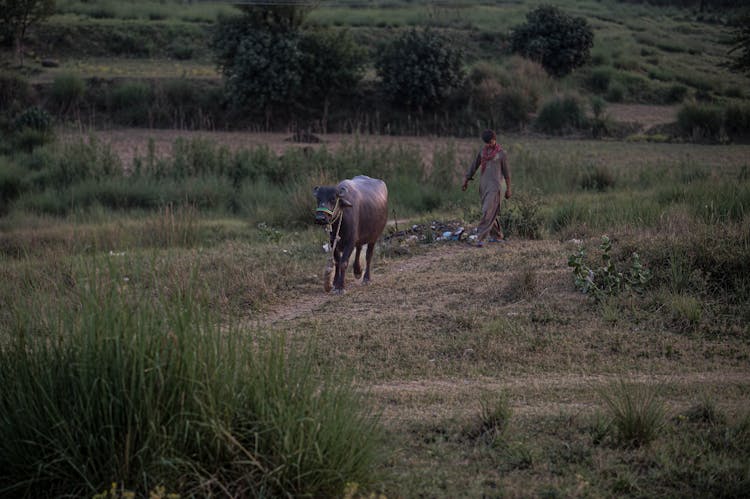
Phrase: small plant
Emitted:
{"points": [[636, 411], [607, 280], [494, 417]]}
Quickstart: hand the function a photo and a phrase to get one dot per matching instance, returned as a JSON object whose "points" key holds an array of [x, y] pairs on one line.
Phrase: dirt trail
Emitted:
{"points": [[309, 303], [545, 381]]}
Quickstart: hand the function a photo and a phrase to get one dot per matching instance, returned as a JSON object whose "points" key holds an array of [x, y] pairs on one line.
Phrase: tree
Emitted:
{"points": [[332, 64], [260, 63], [559, 42], [18, 15], [741, 45], [420, 69]]}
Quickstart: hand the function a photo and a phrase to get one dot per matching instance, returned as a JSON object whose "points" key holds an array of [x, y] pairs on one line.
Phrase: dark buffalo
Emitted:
{"points": [[357, 211]]}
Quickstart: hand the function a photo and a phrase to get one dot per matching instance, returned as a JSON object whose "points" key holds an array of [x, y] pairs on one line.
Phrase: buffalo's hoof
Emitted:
{"points": [[339, 291]]}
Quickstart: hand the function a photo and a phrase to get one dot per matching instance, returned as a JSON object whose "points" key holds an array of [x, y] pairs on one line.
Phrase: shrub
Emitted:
{"points": [[67, 91], [599, 79], [637, 412], [737, 120], [521, 216], [561, 115], [700, 122], [616, 92], [261, 65], [607, 280], [11, 182], [130, 103], [514, 108], [15, 92], [598, 178], [35, 118], [558, 41], [419, 69]]}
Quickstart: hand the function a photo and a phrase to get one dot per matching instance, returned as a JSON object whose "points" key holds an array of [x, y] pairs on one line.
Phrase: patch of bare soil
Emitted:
{"points": [[647, 116]]}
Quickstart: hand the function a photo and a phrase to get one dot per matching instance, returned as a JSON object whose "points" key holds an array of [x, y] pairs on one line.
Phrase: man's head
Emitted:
{"points": [[488, 136]]}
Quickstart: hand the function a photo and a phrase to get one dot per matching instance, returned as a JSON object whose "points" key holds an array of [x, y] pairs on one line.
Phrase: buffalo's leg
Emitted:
{"points": [[342, 264], [357, 265], [368, 260]]}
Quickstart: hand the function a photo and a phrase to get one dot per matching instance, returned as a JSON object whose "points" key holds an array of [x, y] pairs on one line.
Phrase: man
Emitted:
{"points": [[493, 163]]}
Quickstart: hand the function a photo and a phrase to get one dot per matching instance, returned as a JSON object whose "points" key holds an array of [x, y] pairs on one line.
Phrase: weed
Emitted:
{"points": [[636, 410], [607, 280], [493, 420]]}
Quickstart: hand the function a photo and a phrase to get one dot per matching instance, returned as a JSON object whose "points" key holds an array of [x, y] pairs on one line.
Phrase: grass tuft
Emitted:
{"points": [[637, 412]]}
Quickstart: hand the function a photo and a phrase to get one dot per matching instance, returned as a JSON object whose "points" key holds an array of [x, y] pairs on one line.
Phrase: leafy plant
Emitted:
{"points": [[606, 280], [555, 39], [419, 69]]}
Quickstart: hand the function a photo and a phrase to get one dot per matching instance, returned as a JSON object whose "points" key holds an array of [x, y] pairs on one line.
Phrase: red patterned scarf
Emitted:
{"points": [[489, 152]]}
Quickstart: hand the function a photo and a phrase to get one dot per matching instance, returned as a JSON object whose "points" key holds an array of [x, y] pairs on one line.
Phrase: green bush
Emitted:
{"points": [[15, 92], [11, 183], [700, 122], [514, 109], [558, 41], [144, 389], [599, 79], [34, 118], [419, 69], [130, 103], [561, 115], [67, 91], [737, 120]]}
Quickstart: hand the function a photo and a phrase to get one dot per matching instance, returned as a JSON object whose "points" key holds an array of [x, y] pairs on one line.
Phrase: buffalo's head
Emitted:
{"points": [[330, 200]]}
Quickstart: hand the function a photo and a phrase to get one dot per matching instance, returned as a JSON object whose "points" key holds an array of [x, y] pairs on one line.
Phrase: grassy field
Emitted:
{"points": [[491, 373], [164, 329]]}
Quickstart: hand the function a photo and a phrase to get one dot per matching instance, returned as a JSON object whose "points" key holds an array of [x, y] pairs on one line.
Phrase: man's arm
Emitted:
{"points": [[505, 169], [471, 171]]}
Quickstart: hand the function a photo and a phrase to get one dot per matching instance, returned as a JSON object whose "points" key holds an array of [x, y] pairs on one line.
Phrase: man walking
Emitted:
{"points": [[493, 163]]}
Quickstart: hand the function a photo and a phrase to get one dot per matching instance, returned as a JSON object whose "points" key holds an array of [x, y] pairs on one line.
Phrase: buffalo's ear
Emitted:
{"points": [[341, 195], [315, 191]]}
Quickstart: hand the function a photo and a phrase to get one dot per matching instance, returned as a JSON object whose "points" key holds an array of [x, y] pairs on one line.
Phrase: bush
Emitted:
{"points": [[561, 115], [737, 120], [558, 41], [35, 118], [599, 79], [67, 91], [130, 103], [261, 65], [700, 121], [15, 92], [419, 70], [11, 182]]}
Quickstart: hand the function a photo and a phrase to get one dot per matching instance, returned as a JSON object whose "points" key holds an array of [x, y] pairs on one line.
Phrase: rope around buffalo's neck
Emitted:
{"points": [[337, 215]]}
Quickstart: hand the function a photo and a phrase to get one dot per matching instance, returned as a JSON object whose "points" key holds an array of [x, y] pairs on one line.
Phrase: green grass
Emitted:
{"points": [[133, 381]]}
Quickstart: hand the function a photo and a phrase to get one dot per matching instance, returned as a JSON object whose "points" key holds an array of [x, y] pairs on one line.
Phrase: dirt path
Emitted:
{"points": [[309, 303], [551, 376]]}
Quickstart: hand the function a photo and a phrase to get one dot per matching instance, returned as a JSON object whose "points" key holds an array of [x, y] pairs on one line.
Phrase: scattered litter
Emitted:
{"points": [[435, 231], [326, 248], [116, 253], [575, 241]]}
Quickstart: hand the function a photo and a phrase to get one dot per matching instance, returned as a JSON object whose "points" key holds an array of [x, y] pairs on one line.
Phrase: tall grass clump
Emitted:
{"points": [[561, 115], [144, 389], [700, 122], [636, 411], [67, 92]]}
